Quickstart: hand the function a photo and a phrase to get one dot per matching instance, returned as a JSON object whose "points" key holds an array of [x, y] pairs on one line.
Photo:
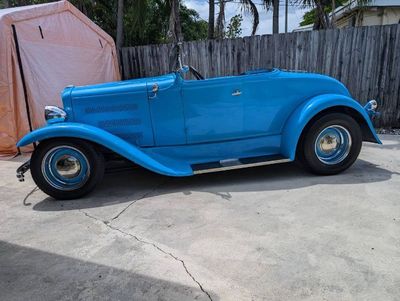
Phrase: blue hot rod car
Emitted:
{"points": [[179, 127]]}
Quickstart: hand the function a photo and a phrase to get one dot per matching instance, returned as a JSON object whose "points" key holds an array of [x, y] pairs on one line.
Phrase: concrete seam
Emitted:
{"points": [[108, 225], [140, 198]]}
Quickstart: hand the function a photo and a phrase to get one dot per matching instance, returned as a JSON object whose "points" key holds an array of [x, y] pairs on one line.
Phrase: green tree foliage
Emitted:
{"points": [[247, 6], [234, 28], [152, 27], [193, 27], [310, 16], [313, 17], [145, 22]]}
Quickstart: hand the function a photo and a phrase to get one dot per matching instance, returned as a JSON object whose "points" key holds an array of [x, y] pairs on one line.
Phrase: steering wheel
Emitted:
{"points": [[196, 73], [192, 70]]}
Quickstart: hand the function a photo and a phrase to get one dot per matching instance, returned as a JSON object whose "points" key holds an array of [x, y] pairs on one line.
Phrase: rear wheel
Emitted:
{"points": [[66, 169], [331, 144]]}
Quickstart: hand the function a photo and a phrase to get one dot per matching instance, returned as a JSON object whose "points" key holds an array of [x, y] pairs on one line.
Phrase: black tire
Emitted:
{"points": [[94, 168], [307, 153]]}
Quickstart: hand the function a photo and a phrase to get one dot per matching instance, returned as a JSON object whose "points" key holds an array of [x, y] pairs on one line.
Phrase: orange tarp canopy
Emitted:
{"points": [[58, 46]]}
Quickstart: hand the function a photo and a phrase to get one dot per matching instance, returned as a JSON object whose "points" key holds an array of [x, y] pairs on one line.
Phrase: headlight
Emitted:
{"points": [[54, 114], [373, 104]]}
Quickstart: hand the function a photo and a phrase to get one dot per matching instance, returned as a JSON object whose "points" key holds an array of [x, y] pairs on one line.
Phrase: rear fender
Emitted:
{"points": [[303, 114], [110, 141]]}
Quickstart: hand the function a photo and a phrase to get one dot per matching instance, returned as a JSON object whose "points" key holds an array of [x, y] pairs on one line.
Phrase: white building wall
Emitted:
{"points": [[369, 17]]}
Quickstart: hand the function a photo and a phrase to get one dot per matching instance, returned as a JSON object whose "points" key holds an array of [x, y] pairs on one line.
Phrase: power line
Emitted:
{"points": [[293, 3], [280, 5]]}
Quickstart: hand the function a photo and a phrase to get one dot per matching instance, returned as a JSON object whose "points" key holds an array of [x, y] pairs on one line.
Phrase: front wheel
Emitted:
{"points": [[331, 144], [66, 169]]}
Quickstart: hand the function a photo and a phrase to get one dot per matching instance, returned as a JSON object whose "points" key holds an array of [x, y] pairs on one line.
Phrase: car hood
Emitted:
{"points": [[114, 87]]}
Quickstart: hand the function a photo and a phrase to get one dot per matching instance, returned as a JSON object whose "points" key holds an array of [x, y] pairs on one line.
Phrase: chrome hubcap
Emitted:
{"points": [[65, 168], [333, 144], [328, 144], [68, 166]]}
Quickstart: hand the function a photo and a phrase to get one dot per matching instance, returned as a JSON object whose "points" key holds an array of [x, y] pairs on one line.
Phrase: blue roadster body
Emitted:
{"points": [[179, 127]]}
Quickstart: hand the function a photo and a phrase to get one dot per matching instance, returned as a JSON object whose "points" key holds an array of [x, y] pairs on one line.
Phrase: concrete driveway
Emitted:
{"points": [[268, 233]]}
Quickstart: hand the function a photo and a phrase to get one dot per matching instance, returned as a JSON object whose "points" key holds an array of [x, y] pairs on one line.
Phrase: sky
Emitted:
{"points": [[295, 15]]}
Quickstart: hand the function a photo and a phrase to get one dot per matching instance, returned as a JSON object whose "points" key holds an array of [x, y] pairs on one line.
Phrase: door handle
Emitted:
{"points": [[236, 93], [154, 90]]}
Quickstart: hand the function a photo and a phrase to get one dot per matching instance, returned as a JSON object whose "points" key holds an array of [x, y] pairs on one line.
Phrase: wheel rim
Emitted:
{"points": [[333, 144], [65, 168]]}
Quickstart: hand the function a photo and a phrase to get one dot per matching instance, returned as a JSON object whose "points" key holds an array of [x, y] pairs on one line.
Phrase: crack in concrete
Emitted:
{"points": [[28, 195], [148, 193], [108, 225]]}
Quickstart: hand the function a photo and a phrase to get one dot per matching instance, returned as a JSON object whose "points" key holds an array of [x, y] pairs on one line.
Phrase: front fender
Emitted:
{"points": [[305, 112], [110, 141]]}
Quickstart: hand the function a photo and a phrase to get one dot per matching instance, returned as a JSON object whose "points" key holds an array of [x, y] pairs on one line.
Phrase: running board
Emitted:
{"points": [[230, 164]]}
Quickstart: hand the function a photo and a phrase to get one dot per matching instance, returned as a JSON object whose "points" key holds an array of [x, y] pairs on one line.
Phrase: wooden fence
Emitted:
{"points": [[365, 59]]}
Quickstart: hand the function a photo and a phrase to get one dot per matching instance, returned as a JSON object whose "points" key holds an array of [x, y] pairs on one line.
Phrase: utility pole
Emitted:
{"points": [[286, 15]]}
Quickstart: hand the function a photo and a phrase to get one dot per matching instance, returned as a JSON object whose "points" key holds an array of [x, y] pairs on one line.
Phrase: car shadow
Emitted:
{"points": [[140, 184], [32, 274]]}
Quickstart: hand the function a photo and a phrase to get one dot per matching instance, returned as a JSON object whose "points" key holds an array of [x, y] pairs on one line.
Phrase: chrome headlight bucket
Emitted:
{"points": [[373, 104], [371, 107], [54, 114]]}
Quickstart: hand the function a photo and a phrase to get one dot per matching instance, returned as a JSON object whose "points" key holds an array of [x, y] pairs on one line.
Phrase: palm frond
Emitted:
{"points": [[249, 6], [268, 4]]}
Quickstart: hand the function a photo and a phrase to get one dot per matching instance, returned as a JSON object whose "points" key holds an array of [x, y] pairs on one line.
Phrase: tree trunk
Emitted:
{"points": [[275, 16], [286, 15], [211, 18], [322, 21], [174, 34], [333, 20], [221, 20], [7, 4], [120, 24], [175, 29]]}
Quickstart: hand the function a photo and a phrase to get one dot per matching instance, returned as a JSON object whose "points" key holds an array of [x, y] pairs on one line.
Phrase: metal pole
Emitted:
{"points": [[286, 15], [21, 71]]}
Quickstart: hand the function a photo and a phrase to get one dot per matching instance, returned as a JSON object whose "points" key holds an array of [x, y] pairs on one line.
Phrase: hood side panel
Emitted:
{"points": [[119, 108]]}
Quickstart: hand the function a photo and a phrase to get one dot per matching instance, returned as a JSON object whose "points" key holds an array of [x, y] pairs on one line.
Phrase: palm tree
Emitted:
{"points": [[220, 30], [211, 18], [174, 33], [275, 16], [246, 5], [137, 11], [274, 5], [174, 28], [250, 6], [120, 24], [333, 21], [322, 20]]}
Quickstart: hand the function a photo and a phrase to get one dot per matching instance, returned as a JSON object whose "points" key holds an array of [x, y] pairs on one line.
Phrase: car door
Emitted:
{"points": [[166, 109], [213, 109], [271, 97], [266, 100]]}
